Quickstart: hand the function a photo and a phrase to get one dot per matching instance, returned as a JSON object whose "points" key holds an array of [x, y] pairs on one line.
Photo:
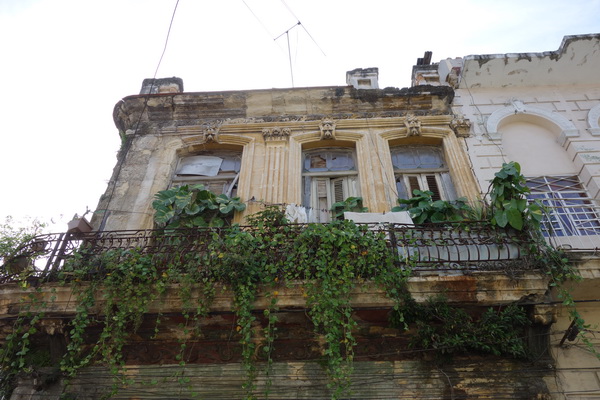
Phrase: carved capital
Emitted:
{"points": [[276, 133], [461, 126], [51, 326], [413, 125], [210, 133], [327, 127]]}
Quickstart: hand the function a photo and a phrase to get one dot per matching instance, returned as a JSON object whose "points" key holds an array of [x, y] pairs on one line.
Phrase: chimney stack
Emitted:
{"points": [[162, 85], [363, 78]]}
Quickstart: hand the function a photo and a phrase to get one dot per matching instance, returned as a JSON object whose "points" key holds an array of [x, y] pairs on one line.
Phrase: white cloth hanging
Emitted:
{"points": [[296, 214]]}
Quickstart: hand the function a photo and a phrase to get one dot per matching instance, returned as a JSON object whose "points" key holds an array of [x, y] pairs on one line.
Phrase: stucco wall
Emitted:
{"points": [[273, 128]]}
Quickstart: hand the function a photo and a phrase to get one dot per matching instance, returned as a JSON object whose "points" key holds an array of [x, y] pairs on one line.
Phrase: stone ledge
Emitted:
{"points": [[480, 289]]}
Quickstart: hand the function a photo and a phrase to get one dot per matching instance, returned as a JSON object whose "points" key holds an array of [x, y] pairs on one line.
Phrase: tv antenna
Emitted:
{"points": [[287, 35]]}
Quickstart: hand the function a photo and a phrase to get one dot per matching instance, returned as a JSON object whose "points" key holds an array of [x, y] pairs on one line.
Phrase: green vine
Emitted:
{"points": [[328, 261], [351, 204], [448, 330]]}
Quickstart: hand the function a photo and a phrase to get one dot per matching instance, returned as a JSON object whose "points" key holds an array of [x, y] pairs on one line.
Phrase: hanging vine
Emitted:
{"points": [[115, 289]]}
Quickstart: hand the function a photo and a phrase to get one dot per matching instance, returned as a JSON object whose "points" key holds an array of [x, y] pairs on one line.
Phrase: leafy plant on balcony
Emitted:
{"points": [[509, 206], [194, 206], [423, 209], [351, 204], [12, 238], [329, 261]]}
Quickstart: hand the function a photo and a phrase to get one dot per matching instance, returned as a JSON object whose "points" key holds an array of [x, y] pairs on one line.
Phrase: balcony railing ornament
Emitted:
{"points": [[436, 247]]}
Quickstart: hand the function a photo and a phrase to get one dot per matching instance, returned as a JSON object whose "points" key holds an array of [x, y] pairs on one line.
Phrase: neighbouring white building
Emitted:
{"points": [[543, 111]]}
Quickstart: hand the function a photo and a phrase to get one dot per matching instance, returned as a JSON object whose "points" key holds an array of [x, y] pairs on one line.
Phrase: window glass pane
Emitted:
{"points": [[448, 186], [341, 162], [317, 162], [404, 158], [210, 164], [200, 165], [430, 157], [413, 157], [401, 188], [231, 164], [329, 160]]}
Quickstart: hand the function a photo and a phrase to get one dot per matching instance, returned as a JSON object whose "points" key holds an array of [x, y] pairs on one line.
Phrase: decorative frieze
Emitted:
{"points": [[276, 133], [327, 127]]}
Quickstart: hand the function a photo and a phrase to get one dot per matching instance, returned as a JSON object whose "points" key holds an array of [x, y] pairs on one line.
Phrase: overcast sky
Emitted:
{"points": [[64, 64]]}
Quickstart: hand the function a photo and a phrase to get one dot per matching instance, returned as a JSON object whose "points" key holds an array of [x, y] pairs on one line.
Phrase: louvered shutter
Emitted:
{"points": [[413, 184], [339, 194], [433, 187]]}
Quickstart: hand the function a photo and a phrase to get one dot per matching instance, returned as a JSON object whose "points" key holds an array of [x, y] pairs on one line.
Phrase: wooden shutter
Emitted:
{"points": [[339, 194], [413, 184], [433, 187]]}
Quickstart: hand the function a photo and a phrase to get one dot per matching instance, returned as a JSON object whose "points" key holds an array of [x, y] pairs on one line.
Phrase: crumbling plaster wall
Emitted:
{"points": [[476, 378], [560, 92], [573, 104], [560, 89], [367, 120]]}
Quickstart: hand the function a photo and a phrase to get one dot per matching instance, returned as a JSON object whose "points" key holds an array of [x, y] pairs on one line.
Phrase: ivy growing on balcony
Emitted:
{"points": [[329, 261]]}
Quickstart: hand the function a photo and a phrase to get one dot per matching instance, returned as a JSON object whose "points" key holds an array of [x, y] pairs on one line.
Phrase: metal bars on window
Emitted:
{"points": [[570, 210]]}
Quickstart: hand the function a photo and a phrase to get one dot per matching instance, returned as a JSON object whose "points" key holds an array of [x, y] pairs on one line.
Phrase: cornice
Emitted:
{"points": [[256, 126]]}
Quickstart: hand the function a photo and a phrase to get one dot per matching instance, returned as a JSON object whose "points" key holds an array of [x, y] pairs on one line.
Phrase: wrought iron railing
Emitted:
{"points": [[435, 247]]}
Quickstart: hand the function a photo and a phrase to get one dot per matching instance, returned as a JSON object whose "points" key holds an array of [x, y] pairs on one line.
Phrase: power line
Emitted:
{"points": [[128, 142], [303, 27], [258, 19]]}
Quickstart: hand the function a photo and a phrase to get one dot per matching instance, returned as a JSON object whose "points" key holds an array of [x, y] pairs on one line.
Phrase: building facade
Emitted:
{"points": [[305, 149], [542, 110]]}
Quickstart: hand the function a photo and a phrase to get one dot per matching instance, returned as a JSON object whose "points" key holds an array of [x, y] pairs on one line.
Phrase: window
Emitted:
{"points": [[422, 168], [329, 176], [218, 171], [571, 211]]}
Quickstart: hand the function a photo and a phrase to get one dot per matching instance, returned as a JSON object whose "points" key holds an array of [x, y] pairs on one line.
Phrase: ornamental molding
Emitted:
{"points": [[517, 107], [210, 133], [413, 125], [461, 126], [276, 134], [327, 127], [593, 120]]}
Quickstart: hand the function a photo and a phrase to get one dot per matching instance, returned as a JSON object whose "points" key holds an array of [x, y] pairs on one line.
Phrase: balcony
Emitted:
{"points": [[467, 262], [473, 265]]}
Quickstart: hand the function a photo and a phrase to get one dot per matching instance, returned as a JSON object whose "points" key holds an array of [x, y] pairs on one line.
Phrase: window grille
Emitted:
{"points": [[570, 210]]}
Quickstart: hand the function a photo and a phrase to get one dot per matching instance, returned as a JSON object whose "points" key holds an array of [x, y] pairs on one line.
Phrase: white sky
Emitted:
{"points": [[64, 64]]}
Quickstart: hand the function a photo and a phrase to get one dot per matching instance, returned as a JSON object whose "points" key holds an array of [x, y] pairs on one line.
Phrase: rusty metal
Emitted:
{"points": [[463, 246], [436, 247]]}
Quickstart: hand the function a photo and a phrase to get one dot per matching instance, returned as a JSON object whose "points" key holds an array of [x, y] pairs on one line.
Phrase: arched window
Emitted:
{"points": [[217, 170], [329, 175], [421, 167], [551, 176]]}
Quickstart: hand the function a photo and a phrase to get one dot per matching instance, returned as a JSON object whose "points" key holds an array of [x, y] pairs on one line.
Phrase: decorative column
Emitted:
{"points": [[275, 164]]}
